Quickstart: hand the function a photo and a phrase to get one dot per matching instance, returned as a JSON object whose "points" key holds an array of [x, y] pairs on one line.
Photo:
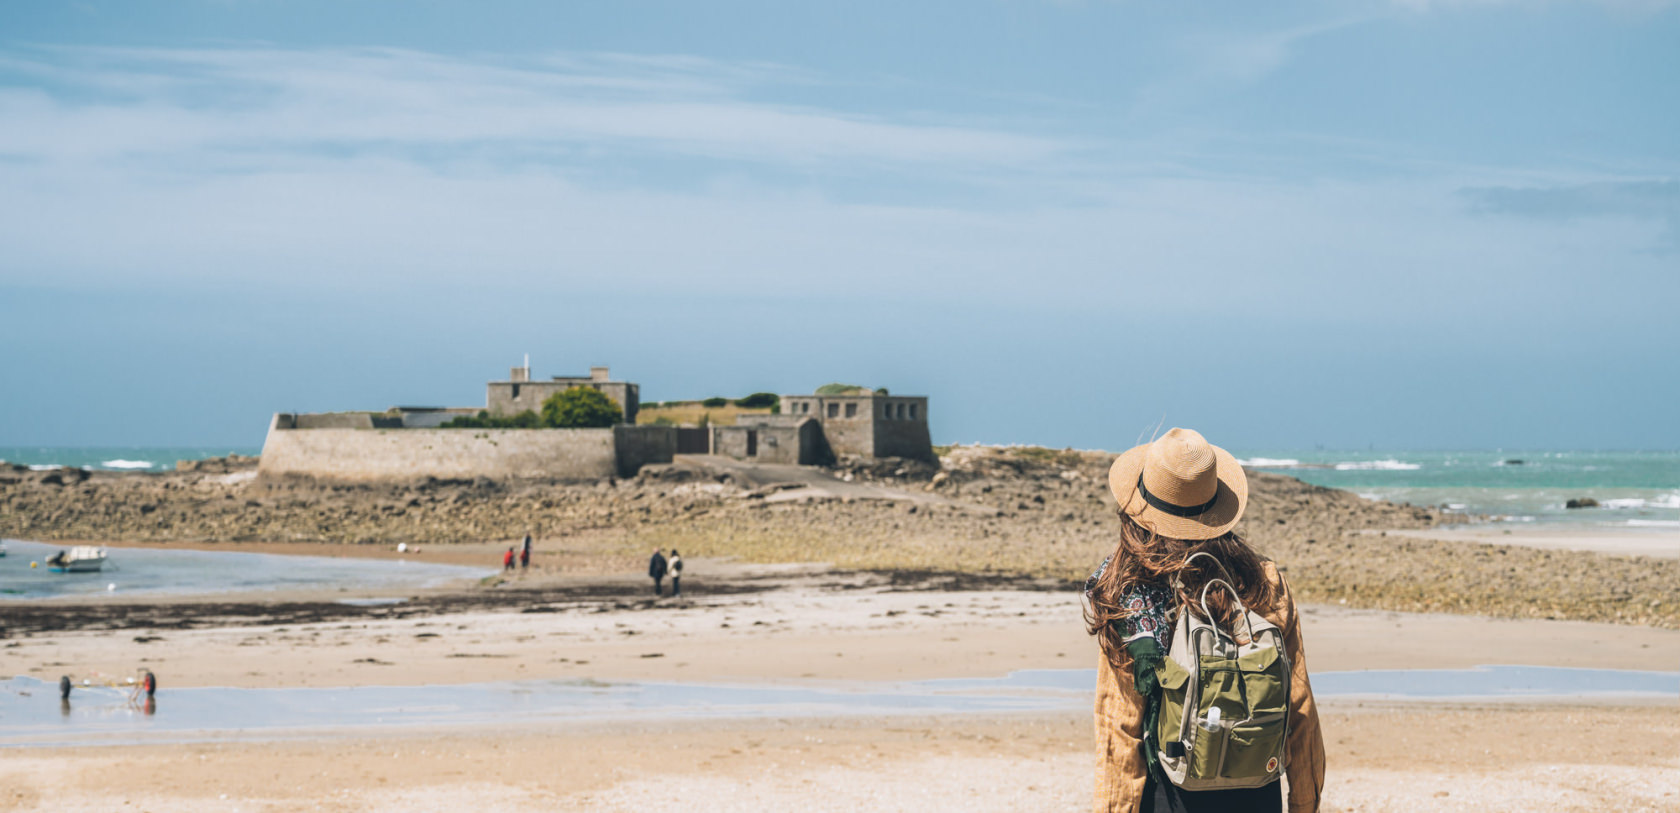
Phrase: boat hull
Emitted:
{"points": [[77, 567]]}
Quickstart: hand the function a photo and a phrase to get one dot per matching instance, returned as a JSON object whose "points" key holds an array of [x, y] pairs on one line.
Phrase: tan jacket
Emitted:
{"points": [[1119, 712]]}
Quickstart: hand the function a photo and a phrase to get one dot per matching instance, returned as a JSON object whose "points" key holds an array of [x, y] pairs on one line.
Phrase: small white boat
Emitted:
{"points": [[79, 559]]}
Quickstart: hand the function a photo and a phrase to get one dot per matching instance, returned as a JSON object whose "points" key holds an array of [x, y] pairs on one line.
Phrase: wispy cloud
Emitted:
{"points": [[1647, 198], [1626, 6], [90, 103], [1653, 200], [569, 173]]}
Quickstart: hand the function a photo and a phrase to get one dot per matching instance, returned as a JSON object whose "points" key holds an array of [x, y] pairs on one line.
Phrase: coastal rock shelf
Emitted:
{"points": [[1018, 513]]}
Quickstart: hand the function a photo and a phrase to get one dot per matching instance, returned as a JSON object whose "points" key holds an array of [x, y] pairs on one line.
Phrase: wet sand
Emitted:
{"points": [[783, 624], [737, 622], [1659, 543], [1383, 758]]}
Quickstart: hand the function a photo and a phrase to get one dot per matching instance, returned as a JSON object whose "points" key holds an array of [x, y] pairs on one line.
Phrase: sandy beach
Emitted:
{"points": [[809, 625], [806, 582], [796, 623]]}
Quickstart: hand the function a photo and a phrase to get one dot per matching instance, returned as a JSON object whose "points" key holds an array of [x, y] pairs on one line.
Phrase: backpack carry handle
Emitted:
{"points": [[1228, 581], [1242, 611]]}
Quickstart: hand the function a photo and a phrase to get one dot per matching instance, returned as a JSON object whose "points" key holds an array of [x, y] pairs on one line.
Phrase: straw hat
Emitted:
{"points": [[1180, 486]]}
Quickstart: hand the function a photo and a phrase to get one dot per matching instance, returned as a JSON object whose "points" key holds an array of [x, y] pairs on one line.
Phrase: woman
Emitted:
{"points": [[1179, 496]]}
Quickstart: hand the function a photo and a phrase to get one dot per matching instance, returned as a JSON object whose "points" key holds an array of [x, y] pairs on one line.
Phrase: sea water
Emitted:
{"points": [[155, 571], [116, 458], [1634, 490]]}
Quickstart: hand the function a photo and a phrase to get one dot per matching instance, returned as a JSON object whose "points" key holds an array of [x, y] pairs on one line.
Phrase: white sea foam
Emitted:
{"points": [[1456, 506], [128, 464], [1653, 523], [1269, 462], [1366, 495], [1377, 465], [43, 466], [1622, 503]]}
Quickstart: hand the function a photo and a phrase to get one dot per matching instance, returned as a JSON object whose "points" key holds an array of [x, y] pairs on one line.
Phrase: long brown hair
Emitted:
{"points": [[1143, 556]]}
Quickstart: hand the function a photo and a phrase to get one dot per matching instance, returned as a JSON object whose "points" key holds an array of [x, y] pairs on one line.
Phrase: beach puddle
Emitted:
{"points": [[1500, 683], [31, 713], [154, 572]]}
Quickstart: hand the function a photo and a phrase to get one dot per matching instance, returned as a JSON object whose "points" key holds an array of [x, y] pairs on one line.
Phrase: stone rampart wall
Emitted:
{"points": [[903, 439], [365, 455], [638, 446], [854, 436]]}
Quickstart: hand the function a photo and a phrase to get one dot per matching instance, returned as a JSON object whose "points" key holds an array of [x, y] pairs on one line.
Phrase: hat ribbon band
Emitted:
{"points": [[1175, 510]]}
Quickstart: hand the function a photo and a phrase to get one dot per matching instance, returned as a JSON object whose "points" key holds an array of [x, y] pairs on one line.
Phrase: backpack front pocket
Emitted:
{"points": [[1254, 748]]}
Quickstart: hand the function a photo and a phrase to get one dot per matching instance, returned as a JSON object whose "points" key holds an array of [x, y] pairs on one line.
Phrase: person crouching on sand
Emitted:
{"points": [[656, 571], [507, 560], [1181, 497]]}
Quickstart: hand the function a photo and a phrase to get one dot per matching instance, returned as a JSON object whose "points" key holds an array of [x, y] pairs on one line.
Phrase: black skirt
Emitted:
{"points": [[1165, 797]]}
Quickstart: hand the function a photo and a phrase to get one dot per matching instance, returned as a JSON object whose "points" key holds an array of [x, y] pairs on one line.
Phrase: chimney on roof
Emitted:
{"points": [[520, 374], [597, 374]]}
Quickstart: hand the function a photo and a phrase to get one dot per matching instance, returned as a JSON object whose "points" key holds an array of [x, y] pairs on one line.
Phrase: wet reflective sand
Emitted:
{"points": [[32, 714]]}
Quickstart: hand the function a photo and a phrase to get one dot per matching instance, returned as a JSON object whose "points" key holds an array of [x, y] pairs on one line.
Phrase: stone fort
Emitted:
{"points": [[409, 442]]}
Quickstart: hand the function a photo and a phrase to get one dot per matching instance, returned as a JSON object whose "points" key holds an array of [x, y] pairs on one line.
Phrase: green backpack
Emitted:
{"points": [[1223, 718]]}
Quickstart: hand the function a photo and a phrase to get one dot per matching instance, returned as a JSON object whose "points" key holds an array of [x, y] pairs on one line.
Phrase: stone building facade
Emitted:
{"points": [[868, 425], [520, 393], [815, 429]]}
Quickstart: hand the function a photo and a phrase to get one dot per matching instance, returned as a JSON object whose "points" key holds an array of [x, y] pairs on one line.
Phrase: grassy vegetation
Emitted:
{"points": [[687, 413], [574, 408], [484, 420]]}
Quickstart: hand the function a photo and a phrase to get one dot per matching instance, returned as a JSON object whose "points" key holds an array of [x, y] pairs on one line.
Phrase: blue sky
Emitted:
{"points": [[1400, 224]]}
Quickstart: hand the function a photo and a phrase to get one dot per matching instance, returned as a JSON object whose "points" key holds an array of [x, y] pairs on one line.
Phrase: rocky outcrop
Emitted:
{"points": [[1029, 512]]}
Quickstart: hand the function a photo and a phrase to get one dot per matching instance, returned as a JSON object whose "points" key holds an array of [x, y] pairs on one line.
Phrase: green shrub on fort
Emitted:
{"points": [[849, 389], [575, 408], [484, 420], [715, 402], [580, 408], [758, 400]]}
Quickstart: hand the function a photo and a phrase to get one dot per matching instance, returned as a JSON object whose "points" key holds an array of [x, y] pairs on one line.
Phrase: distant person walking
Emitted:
{"points": [[507, 559], [1183, 611], [525, 552], [676, 573], [656, 571]]}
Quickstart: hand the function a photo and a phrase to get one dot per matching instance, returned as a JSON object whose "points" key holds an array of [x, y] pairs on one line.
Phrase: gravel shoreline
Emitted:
{"points": [[1016, 514]]}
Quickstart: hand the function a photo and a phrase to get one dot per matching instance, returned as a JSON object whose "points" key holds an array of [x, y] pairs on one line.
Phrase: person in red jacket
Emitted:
{"points": [[507, 560]]}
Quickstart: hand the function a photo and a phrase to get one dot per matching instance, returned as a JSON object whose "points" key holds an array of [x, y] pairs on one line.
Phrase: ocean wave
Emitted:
{"points": [[1269, 462], [1377, 465], [1666, 501], [128, 464], [1622, 503], [1652, 523], [43, 466]]}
